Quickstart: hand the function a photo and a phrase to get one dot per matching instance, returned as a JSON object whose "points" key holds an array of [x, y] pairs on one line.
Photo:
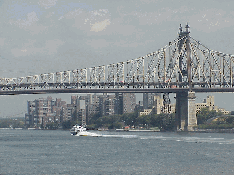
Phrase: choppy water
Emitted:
{"points": [[57, 152]]}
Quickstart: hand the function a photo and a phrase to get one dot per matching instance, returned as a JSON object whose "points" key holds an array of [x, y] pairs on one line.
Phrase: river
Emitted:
{"points": [[57, 152]]}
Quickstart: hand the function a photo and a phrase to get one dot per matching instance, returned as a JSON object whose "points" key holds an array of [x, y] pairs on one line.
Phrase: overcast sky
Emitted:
{"points": [[43, 36]]}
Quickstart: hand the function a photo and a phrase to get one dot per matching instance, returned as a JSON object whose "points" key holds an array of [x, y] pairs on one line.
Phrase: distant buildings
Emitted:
{"points": [[145, 112], [43, 111], [129, 102], [154, 104], [210, 104]]}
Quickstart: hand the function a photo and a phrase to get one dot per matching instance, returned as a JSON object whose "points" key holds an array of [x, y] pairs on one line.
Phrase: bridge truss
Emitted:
{"points": [[165, 69]]}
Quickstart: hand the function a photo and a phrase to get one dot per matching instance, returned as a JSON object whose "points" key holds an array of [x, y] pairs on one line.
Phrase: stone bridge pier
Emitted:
{"points": [[185, 111]]}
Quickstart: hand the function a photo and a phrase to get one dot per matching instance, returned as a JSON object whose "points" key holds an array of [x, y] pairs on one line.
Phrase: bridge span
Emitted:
{"points": [[114, 90], [185, 66]]}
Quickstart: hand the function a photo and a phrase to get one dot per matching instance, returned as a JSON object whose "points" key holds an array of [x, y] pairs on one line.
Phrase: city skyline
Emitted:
{"points": [[81, 108], [91, 101]]}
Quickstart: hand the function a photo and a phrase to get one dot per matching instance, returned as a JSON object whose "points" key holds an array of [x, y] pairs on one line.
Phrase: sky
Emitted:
{"points": [[44, 36]]}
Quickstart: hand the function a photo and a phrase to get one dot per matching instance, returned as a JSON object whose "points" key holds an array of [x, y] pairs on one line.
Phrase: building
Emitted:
{"points": [[158, 104], [31, 117], [58, 107], [93, 107], [43, 111], [224, 111], [125, 103], [148, 100], [118, 103], [129, 102], [145, 112], [77, 110], [210, 104], [109, 105]]}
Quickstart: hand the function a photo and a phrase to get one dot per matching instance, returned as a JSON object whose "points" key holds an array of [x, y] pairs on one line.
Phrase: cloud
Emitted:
{"points": [[100, 26], [28, 49], [61, 17], [2, 41], [94, 21], [97, 43], [100, 12], [31, 23], [22, 23], [74, 13], [47, 3], [211, 20], [51, 46]]}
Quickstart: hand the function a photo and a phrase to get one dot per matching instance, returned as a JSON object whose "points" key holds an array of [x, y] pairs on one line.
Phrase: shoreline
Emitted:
{"points": [[136, 130], [139, 130], [214, 130]]}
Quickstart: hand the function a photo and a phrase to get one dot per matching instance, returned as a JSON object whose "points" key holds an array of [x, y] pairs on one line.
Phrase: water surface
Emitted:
{"points": [[57, 152]]}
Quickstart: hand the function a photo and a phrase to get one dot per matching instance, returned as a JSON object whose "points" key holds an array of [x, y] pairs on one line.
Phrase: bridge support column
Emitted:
{"points": [[182, 111], [185, 111], [192, 118]]}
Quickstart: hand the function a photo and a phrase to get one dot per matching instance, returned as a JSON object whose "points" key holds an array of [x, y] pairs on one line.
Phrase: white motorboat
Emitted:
{"points": [[81, 131], [76, 129]]}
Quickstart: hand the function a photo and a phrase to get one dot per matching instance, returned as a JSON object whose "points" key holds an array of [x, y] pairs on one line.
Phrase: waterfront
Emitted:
{"points": [[57, 152]]}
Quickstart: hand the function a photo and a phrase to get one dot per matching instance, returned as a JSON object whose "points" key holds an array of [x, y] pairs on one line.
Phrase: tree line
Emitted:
{"points": [[162, 121], [12, 123], [165, 122], [214, 120]]}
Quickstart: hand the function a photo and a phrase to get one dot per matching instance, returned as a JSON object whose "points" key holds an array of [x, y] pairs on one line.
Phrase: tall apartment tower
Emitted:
{"points": [[31, 117], [125, 103], [93, 107], [145, 100], [77, 110], [43, 111], [118, 103], [109, 105], [210, 102], [81, 109], [158, 104], [148, 100], [129, 102]]}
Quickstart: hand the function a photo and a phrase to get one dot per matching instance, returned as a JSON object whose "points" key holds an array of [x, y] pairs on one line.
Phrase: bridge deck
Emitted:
{"points": [[112, 90]]}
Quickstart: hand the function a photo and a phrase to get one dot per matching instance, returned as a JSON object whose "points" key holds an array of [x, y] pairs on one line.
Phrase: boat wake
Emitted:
{"points": [[91, 134], [121, 136], [191, 139]]}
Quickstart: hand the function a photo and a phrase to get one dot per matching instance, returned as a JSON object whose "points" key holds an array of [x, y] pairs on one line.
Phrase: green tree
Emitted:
{"points": [[130, 118], [204, 114], [68, 124], [14, 123], [230, 119], [52, 126]]}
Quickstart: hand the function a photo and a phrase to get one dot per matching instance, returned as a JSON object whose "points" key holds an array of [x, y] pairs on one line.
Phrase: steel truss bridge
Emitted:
{"points": [[184, 64]]}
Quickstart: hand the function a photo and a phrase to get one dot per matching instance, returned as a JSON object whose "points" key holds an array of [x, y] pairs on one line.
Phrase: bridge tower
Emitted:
{"points": [[185, 101]]}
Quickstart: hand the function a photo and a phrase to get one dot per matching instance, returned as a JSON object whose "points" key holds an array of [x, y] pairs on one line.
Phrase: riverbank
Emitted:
{"points": [[215, 130], [138, 130]]}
